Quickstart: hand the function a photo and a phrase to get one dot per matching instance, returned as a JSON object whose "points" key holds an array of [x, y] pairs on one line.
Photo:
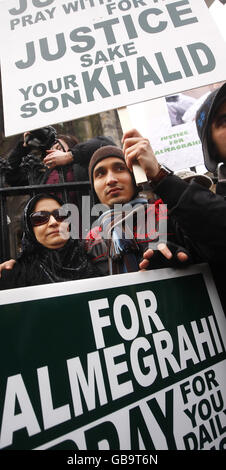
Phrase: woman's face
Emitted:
{"points": [[52, 234]]}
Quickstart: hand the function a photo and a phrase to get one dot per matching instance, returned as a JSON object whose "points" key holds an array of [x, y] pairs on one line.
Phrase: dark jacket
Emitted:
{"points": [[67, 264], [202, 216]]}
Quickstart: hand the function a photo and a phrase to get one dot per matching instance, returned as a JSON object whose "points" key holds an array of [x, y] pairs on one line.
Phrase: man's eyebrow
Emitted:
{"points": [[120, 163], [97, 169]]}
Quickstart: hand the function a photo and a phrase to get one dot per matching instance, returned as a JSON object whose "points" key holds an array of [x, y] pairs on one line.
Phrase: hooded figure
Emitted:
{"points": [[38, 264], [204, 118], [207, 119]]}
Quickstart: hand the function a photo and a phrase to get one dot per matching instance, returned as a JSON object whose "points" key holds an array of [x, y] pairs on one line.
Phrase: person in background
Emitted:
{"points": [[211, 127], [52, 158]]}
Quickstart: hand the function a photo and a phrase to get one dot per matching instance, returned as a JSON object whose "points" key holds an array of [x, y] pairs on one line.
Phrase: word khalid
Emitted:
{"points": [[135, 75]]}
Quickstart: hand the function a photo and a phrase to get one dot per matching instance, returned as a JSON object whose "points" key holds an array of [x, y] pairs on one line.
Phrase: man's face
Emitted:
{"points": [[218, 132], [113, 181]]}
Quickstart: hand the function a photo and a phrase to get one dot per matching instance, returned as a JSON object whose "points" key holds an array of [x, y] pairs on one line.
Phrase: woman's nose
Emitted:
{"points": [[52, 220]]}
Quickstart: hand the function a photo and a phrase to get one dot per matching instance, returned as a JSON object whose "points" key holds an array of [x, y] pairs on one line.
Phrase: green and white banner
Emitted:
{"points": [[132, 361]]}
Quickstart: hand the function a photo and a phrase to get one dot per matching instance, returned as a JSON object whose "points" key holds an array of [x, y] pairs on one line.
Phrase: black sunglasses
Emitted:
{"points": [[42, 217]]}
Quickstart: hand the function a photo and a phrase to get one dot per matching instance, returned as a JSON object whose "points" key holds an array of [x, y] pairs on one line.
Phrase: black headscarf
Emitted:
{"points": [[48, 265]]}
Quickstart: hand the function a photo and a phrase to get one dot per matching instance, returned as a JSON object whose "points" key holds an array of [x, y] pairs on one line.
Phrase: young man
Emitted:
{"points": [[113, 185]]}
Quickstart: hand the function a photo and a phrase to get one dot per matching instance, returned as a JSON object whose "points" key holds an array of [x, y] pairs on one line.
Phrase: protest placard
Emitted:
{"points": [[136, 363], [169, 124], [63, 60]]}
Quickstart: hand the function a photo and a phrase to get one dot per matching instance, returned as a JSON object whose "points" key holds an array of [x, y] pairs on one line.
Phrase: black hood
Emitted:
{"points": [[51, 265], [204, 118]]}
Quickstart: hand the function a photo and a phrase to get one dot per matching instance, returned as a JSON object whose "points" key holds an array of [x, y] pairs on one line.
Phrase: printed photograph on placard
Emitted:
{"points": [[170, 125], [182, 107]]}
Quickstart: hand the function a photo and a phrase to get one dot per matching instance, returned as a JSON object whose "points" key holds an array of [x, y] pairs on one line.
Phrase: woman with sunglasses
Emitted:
{"points": [[48, 253]]}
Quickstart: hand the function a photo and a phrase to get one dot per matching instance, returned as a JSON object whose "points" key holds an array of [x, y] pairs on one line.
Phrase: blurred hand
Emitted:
{"points": [[7, 265], [57, 158]]}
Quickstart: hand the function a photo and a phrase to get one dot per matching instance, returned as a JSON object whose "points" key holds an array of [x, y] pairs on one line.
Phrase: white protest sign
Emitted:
{"points": [[169, 123], [178, 145], [63, 60]]}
